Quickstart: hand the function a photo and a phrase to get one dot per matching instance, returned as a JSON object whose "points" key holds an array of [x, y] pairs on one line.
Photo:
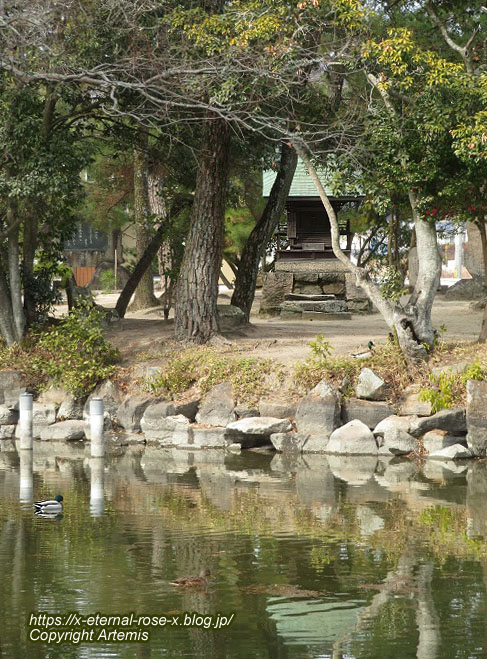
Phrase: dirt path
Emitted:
{"points": [[285, 341]]}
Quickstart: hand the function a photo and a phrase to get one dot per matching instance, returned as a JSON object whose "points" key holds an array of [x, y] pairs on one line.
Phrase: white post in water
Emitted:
{"points": [[96, 428], [25, 421]]}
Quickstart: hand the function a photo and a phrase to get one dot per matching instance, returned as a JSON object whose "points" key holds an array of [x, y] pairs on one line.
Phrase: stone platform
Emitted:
{"points": [[320, 287]]}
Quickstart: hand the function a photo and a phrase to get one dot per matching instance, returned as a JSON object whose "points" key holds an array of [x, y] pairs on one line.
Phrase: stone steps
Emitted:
{"points": [[308, 298], [315, 309]]}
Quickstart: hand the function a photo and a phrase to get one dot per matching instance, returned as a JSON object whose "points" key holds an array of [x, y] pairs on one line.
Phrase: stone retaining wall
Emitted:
{"points": [[321, 422]]}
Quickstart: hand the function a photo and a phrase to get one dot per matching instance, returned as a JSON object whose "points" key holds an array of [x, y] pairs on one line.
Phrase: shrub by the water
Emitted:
{"points": [[72, 354]]}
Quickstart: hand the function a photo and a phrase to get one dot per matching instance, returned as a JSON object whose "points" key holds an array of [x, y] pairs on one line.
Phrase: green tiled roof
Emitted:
{"points": [[303, 186]]}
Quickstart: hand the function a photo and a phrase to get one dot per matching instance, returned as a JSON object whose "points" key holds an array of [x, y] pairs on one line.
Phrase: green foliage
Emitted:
{"points": [[206, 367], [73, 354], [392, 284], [320, 347], [107, 279], [448, 389]]}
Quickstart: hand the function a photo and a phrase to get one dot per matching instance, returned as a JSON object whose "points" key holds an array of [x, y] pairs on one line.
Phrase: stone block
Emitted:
{"points": [[63, 431], [111, 397], [71, 408], [412, 404], [318, 413], [276, 286], [171, 431], [12, 384], [153, 414], [453, 452], [352, 291], [453, 420], [293, 443], [8, 416], [277, 409], [131, 411], [218, 406], [230, 317], [397, 442], [208, 437], [476, 417], [370, 386], [258, 425], [436, 440], [369, 412]]}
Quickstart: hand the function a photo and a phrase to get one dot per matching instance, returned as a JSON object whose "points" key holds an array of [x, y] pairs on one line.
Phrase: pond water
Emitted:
{"points": [[313, 556]]}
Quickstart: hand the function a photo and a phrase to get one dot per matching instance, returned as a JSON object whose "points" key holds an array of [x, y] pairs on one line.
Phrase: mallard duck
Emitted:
{"points": [[201, 580], [49, 506], [367, 353]]}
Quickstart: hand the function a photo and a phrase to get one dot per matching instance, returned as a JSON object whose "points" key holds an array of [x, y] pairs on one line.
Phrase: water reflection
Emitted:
{"points": [[26, 479], [97, 486], [316, 555]]}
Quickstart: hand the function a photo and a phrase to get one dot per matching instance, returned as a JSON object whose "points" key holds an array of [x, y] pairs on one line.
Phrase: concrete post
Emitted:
{"points": [[26, 434], [96, 428]]}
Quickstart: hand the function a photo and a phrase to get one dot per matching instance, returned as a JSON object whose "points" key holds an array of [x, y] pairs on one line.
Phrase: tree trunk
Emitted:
{"points": [[144, 293], [411, 329], [261, 234], [29, 245], [429, 273], [483, 240], [196, 316], [7, 327], [140, 269], [15, 279]]}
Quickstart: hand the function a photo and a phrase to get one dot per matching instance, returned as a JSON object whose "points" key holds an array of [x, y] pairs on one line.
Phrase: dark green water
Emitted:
{"points": [[315, 556]]}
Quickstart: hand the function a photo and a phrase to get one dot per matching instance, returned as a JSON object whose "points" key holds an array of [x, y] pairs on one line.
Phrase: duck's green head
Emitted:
{"points": [[370, 345], [58, 498]]}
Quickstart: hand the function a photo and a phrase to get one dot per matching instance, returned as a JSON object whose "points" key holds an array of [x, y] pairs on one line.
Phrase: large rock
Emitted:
{"points": [[208, 437], [171, 431], [43, 414], [453, 452], [154, 414], [188, 408], [218, 406], [294, 442], [111, 397], [255, 431], [71, 408], [277, 409], [453, 420], [258, 425], [369, 412], [436, 440], [276, 286], [370, 386], [12, 384], [230, 317], [318, 413], [392, 422], [467, 289], [411, 403], [354, 438], [131, 411], [244, 411], [64, 430], [8, 416], [7, 432], [477, 417], [53, 395], [396, 441]]}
